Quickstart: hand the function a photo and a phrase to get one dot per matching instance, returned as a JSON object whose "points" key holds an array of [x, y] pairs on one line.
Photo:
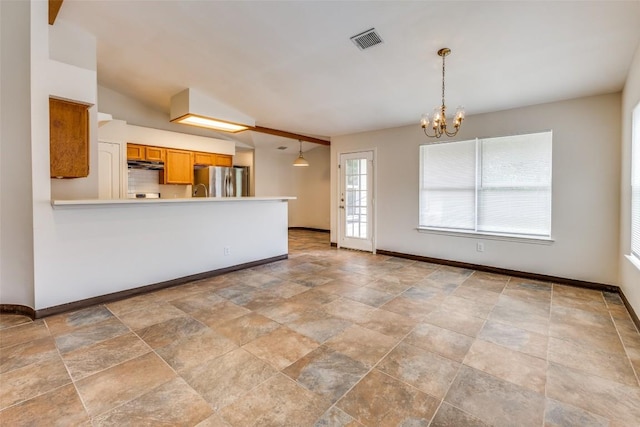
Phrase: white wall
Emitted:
{"points": [[629, 274], [134, 112], [71, 74], [313, 190], [275, 176], [586, 190], [16, 227]]}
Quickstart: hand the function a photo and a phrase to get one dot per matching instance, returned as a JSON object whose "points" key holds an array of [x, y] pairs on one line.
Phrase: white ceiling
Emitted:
{"points": [[291, 66]]}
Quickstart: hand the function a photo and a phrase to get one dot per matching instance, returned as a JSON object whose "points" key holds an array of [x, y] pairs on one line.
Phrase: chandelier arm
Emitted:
{"points": [[430, 136], [450, 134]]}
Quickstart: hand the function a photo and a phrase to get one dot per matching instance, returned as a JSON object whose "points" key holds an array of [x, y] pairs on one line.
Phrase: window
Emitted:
{"points": [[492, 185], [635, 184]]}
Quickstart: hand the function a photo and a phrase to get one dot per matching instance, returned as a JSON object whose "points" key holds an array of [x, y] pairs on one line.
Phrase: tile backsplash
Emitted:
{"points": [[143, 181], [147, 181]]}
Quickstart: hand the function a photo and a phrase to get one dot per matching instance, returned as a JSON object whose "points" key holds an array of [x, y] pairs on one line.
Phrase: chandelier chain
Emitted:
{"points": [[443, 56]]}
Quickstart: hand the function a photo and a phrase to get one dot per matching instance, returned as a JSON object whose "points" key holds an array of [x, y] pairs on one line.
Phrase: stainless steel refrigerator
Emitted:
{"points": [[221, 181]]}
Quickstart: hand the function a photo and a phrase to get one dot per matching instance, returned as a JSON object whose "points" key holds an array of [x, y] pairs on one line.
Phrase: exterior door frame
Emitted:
{"points": [[374, 190]]}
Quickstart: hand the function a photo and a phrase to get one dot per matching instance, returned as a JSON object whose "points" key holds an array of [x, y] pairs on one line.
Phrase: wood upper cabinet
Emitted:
{"points": [[135, 152], [204, 159], [223, 160], [155, 154], [145, 152], [178, 167], [68, 139]]}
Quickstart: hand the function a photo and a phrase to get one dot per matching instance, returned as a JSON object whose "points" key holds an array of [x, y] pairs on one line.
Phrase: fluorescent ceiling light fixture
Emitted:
{"points": [[206, 122], [194, 108]]}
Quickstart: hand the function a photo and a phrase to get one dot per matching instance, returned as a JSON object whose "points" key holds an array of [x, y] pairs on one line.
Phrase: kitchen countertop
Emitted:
{"points": [[140, 202]]}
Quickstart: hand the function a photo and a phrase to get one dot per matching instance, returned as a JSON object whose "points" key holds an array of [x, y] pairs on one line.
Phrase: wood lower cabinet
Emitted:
{"points": [[68, 139], [178, 167], [223, 160]]}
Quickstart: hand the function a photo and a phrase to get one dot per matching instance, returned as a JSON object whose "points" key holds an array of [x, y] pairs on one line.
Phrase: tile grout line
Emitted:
{"points": [[75, 387], [546, 373]]}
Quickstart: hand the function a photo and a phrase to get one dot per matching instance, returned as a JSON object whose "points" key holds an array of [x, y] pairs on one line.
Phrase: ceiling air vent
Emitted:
{"points": [[282, 147], [367, 39]]}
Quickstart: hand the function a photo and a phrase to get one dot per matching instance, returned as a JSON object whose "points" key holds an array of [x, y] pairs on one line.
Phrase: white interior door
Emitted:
{"points": [[356, 201], [109, 170]]}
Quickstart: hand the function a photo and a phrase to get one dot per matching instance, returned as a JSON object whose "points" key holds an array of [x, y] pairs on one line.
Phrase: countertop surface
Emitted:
{"points": [[141, 202]]}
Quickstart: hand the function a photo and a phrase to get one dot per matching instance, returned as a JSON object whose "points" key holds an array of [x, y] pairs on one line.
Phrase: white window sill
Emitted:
{"points": [[489, 236], [635, 261]]}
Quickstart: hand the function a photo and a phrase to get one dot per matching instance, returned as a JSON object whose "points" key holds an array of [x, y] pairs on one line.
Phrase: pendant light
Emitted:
{"points": [[300, 161], [438, 121]]}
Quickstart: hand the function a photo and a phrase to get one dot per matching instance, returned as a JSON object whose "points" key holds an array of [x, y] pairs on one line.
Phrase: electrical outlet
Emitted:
{"points": [[480, 247], [227, 251]]}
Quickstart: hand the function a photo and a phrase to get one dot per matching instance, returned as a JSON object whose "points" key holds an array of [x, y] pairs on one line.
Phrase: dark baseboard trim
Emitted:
{"points": [[116, 296], [319, 230], [507, 272], [632, 313], [523, 274], [17, 309]]}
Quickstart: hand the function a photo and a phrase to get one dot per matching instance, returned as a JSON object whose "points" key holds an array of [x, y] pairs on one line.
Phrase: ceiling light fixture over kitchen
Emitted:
{"points": [[191, 107], [206, 122], [438, 121], [300, 161]]}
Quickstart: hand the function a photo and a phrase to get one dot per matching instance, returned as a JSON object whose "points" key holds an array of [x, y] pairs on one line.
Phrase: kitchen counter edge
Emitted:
{"points": [[140, 202]]}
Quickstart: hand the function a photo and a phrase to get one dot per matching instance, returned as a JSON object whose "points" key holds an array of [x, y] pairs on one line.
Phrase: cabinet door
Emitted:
{"points": [[223, 160], [206, 159], [109, 170], [68, 139], [178, 167], [155, 154], [135, 152]]}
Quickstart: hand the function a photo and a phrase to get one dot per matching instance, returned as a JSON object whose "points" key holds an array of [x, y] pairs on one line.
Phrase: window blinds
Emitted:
{"points": [[493, 185]]}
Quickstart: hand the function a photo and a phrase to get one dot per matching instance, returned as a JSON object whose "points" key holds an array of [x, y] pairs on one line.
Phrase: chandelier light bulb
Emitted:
{"points": [[424, 120]]}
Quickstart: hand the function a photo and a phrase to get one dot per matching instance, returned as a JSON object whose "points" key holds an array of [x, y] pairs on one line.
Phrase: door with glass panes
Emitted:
{"points": [[356, 201]]}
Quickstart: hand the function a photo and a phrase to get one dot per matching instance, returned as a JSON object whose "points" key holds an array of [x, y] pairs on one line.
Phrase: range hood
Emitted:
{"points": [[145, 164]]}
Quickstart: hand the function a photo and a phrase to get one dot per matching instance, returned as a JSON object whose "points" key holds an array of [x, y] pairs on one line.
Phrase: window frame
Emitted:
{"points": [[525, 238], [634, 177]]}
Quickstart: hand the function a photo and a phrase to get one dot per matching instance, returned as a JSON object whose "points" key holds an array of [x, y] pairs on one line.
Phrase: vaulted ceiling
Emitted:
{"points": [[291, 64]]}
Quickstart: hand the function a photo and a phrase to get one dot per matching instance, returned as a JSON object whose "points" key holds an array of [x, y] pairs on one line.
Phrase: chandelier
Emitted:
{"points": [[438, 119]]}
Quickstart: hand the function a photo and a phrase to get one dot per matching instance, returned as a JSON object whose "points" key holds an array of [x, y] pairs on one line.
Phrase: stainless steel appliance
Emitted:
{"points": [[222, 181]]}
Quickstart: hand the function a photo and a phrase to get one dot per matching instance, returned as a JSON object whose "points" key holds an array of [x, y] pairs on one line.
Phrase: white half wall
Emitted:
{"points": [[586, 190], [96, 250], [629, 273]]}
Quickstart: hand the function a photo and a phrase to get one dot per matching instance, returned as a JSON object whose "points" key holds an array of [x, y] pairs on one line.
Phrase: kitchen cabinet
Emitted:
{"points": [[223, 160], [204, 159], [178, 167], [135, 152], [145, 152], [68, 139], [155, 154]]}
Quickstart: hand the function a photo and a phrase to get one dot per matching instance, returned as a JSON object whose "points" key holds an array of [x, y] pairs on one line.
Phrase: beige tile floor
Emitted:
{"points": [[330, 338]]}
